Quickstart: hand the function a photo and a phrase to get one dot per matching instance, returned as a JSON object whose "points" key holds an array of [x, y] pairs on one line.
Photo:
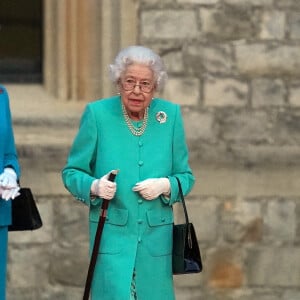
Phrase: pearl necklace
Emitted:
{"points": [[135, 131]]}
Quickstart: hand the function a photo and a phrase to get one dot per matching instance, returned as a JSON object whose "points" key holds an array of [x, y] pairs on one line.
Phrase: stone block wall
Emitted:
{"points": [[234, 67]]}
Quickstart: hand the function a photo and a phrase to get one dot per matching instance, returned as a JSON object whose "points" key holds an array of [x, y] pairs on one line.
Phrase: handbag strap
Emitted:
{"points": [[188, 225], [182, 201]]}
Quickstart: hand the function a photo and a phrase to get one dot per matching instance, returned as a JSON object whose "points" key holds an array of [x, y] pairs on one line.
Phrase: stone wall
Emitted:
{"points": [[234, 67]]}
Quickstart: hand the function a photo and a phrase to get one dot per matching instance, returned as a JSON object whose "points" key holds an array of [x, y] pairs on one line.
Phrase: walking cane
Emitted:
{"points": [[100, 226]]}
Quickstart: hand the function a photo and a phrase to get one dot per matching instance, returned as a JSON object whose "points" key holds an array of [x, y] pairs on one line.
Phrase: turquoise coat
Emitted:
{"points": [[8, 158], [137, 233], [8, 153]]}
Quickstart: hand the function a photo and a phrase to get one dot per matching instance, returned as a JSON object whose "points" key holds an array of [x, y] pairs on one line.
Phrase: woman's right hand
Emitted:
{"points": [[9, 193], [104, 188]]}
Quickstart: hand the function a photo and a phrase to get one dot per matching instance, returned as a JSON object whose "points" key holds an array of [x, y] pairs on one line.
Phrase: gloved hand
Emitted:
{"points": [[8, 179], [9, 193], [104, 188], [153, 187], [9, 188]]}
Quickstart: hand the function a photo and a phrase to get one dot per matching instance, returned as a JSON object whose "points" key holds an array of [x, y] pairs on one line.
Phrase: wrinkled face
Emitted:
{"points": [[137, 88]]}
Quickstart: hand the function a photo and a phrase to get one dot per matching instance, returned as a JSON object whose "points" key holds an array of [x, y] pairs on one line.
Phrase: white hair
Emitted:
{"points": [[141, 55]]}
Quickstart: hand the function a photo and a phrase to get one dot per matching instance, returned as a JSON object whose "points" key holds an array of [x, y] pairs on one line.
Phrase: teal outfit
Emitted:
{"points": [[138, 233], [8, 158]]}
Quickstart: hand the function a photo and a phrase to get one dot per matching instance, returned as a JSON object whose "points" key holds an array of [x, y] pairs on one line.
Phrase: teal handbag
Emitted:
{"points": [[186, 257]]}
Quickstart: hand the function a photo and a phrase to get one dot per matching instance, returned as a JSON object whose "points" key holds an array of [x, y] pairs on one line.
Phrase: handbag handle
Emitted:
{"points": [[189, 235], [182, 201]]}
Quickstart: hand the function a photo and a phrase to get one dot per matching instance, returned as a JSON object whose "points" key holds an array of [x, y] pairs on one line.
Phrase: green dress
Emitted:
{"points": [[138, 233]]}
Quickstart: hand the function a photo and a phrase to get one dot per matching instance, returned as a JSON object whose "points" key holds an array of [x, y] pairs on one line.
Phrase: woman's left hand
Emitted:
{"points": [[8, 179], [9, 188], [153, 187]]}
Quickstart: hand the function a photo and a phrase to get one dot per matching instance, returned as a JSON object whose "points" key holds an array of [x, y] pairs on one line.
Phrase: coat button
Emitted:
{"points": [[140, 201], [141, 143], [141, 163], [139, 239], [140, 221]]}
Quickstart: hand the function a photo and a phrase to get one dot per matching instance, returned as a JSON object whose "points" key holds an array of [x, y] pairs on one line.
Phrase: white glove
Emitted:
{"points": [[9, 193], [8, 179], [9, 188], [104, 188], [152, 188]]}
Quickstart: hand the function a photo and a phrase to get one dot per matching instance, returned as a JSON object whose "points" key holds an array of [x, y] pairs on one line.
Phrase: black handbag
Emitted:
{"points": [[25, 214], [186, 257]]}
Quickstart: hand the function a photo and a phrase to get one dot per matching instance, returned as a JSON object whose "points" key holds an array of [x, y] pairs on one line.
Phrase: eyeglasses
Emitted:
{"points": [[130, 84]]}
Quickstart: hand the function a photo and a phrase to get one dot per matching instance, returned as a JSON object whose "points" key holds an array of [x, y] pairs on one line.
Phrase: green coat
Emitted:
{"points": [[137, 233]]}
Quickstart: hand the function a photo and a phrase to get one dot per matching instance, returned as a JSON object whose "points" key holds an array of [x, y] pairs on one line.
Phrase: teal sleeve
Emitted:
{"points": [[10, 158], [77, 175]]}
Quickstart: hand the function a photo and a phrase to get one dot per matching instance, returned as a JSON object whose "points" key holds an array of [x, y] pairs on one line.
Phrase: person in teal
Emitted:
{"points": [[9, 174], [143, 137]]}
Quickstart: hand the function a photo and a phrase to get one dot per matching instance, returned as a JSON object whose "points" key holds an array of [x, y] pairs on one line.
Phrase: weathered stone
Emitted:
{"points": [[297, 223], [266, 154], [29, 264], [294, 25], [291, 295], [295, 96], [174, 62], [273, 25], [260, 59], [204, 2], [202, 126], [69, 265], [163, 24], [243, 221], [67, 222], [253, 127], [262, 267], [254, 182], [225, 269], [202, 59], [184, 91], [286, 128], [250, 2], [226, 23], [225, 92], [280, 221], [287, 3], [145, 3], [267, 92]]}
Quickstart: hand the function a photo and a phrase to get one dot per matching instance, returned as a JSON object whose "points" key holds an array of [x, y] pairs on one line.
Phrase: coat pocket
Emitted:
{"points": [[159, 233], [112, 240]]}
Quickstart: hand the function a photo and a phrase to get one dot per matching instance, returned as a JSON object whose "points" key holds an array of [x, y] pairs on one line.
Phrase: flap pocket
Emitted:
{"points": [[158, 218], [117, 216]]}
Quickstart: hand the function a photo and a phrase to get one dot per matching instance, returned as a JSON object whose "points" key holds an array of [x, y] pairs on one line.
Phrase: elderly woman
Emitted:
{"points": [[9, 172], [143, 137]]}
